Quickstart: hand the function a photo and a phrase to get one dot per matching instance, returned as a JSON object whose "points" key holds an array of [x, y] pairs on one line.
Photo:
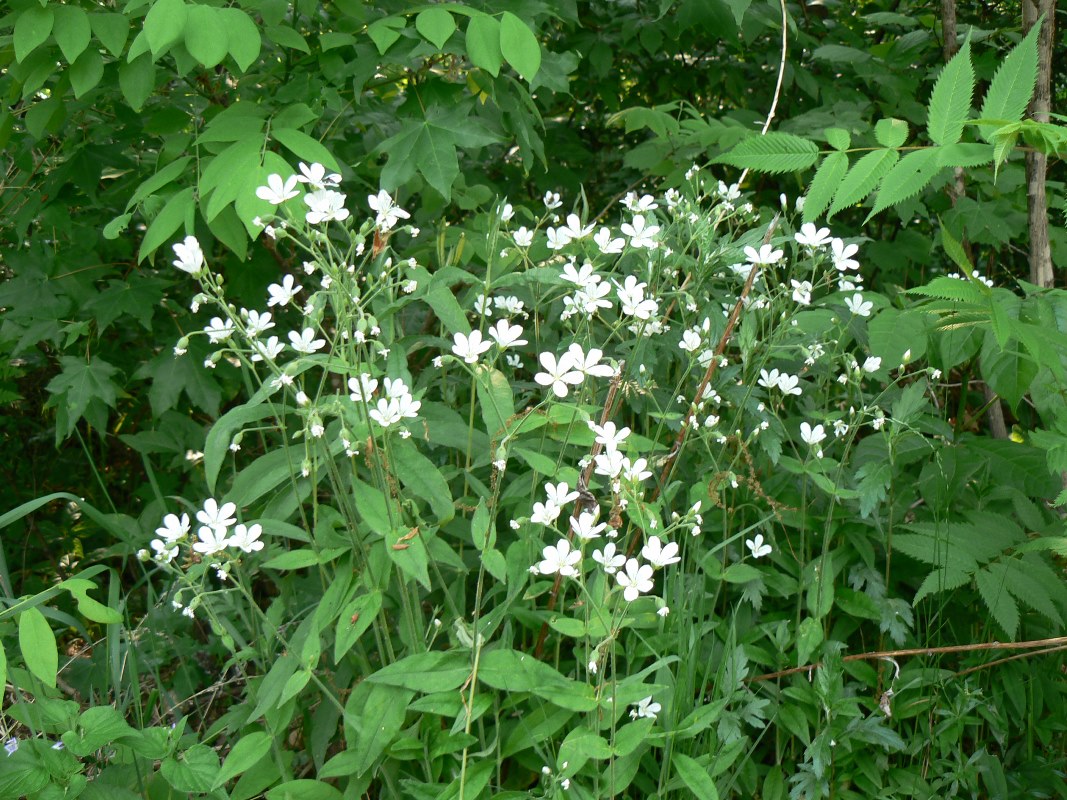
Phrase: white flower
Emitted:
{"points": [[609, 559], [560, 494], [584, 278], [690, 341], [635, 580], [810, 435], [247, 538], [388, 213], [790, 384], [637, 471], [523, 237], [407, 406], [610, 464], [589, 363], [166, 551], [386, 413], [362, 388], [757, 547], [607, 245], [315, 176], [256, 323], [325, 205], [609, 435], [729, 193], [858, 306], [174, 527], [664, 611], [632, 299], [801, 292], [560, 559], [842, 253], [395, 387], [190, 256], [218, 331], [765, 255], [545, 513], [215, 516], [640, 232], [558, 374], [552, 201], [506, 212], [574, 228], [210, 540], [769, 380], [590, 299], [276, 191], [872, 364], [11, 746], [506, 334], [659, 554], [483, 305], [282, 294], [469, 347], [645, 202], [810, 237], [305, 341], [840, 428], [645, 708], [509, 305], [586, 527], [268, 350]]}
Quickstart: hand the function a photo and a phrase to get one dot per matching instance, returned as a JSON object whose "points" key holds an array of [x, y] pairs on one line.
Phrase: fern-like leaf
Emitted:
{"points": [[908, 177], [995, 594], [951, 99], [965, 154], [773, 153], [945, 288], [1017, 577], [827, 178], [862, 178], [1013, 84], [942, 579]]}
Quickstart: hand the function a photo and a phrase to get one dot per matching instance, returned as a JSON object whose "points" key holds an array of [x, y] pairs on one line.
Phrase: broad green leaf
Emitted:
{"points": [[1009, 373], [160, 179], [432, 671], [302, 559], [827, 178], [89, 608], [222, 432], [512, 671], [248, 750], [481, 531], [495, 564], [519, 46], [580, 746], [99, 726], [384, 32], [178, 211], [247, 205], [435, 25], [242, 36], [496, 401], [950, 102], [86, 72], [809, 637], [112, 30], [907, 178], [304, 789], [206, 37], [165, 24], [1012, 85], [862, 178], [137, 80], [998, 600], [483, 43], [305, 147], [220, 176], [287, 37], [773, 153], [172, 375], [965, 154], [79, 383], [32, 27], [38, 645], [353, 622], [423, 479], [72, 31], [820, 583], [192, 771], [891, 132], [378, 710], [372, 506], [694, 776], [407, 549], [892, 332], [838, 138], [263, 476]]}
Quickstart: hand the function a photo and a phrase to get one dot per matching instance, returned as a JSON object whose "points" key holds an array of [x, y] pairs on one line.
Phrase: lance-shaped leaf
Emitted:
{"points": [[862, 178], [774, 153], [951, 99], [1012, 86]]}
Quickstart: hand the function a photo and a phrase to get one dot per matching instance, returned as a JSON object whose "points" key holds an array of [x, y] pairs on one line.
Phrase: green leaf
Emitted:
{"points": [[112, 30], [378, 710], [1009, 373], [496, 402], [221, 176], [137, 80], [353, 622], [178, 211], [1012, 85], [247, 205], [206, 37], [435, 25], [950, 102], [907, 178], [287, 37], [512, 671], [222, 432], [423, 479], [3, 665], [384, 32], [942, 579], [862, 178], [891, 132], [772, 153], [305, 147], [827, 178], [998, 600], [159, 180], [304, 789], [495, 564], [483, 43], [79, 383], [193, 771], [248, 750], [838, 138], [820, 582], [519, 46], [38, 645], [72, 31], [432, 671], [965, 154], [165, 24], [242, 36], [171, 375], [694, 776], [86, 72], [31, 29], [302, 559], [89, 608], [262, 476]]}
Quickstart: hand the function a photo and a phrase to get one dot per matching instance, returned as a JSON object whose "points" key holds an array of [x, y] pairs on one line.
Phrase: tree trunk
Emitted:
{"points": [[1037, 163]]}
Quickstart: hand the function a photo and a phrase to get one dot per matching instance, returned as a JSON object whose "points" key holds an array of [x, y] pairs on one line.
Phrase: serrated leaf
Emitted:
{"points": [[955, 251], [435, 25], [909, 176], [519, 46], [838, 138], [1012, 85], [773, 153], [483, 43], [827, 178], [950, 102], [945, 288], [862, 178], [998, 600], [965, 154], [891, 132], [81, 382], [942, 579]]}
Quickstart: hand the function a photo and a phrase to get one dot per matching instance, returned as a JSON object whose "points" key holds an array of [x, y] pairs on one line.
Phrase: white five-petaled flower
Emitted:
{"points": [[218, 330], [586, 526], [558, 238], [769, 380], [812, 436], [523, 237], [558, 374], [790, 384], [560, 559], [809, 236], [247, 538], [190, 256], [305, 341], [637, 471], [607, 245], [166, 551], [640, 232], [574, 228], [506, 334], [645, 708], [609, 558], [765, 255], [315, 176], [872, 364], [588, 363], [282, 294], [858, 306], [842, 253], [608, 434], [757, 547], [545, 513], [215, 516], [690, 341], [659, 554], [362, 387], [635, 580], [386, 412], [632, 298], [388, 212], [269, 350], [396, 388], [560, 494], [469, 347], [584, 277], [174, 527], [278, 191], [325, 205], [551, 200], [256, 323], [801, 292], [210, 540]]}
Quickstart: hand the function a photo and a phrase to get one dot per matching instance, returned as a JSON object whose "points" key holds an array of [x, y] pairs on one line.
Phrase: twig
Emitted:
{"points": [[777, 85]]}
